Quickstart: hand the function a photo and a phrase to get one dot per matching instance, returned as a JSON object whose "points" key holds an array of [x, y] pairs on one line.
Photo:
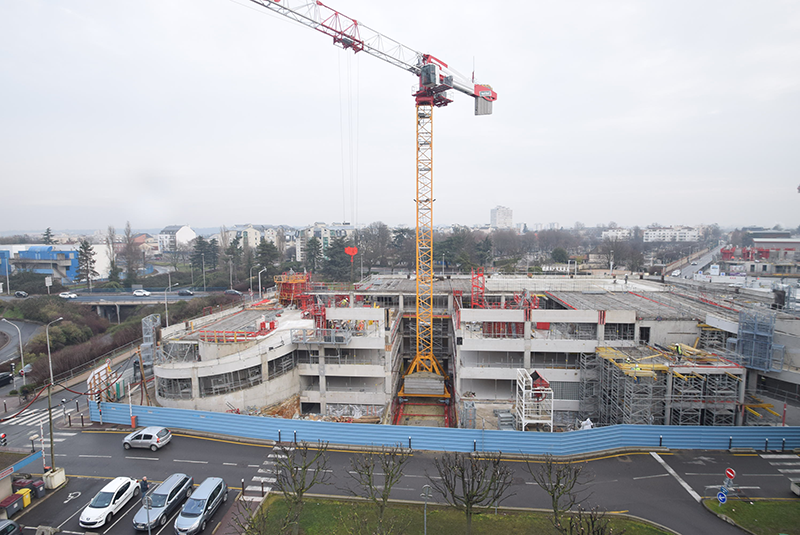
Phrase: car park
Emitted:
{"points": [[68, 295], [141, 293], [201, 506], [108, 502], [185, 292], [161, 502], [5, 379], [154, 438], [20, 294]]}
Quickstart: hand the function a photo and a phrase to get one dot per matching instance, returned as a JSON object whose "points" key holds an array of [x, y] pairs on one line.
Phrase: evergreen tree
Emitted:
{"points": [[113, 272], [86, 263], [213, 254], [47, 237], [267, 255], [336, 264], [313, 254]]}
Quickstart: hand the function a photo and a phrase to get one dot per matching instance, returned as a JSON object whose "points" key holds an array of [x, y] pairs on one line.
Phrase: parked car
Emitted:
{"points": [[5, 379], [141, 293], [676, 273], [164, 500], [109, 501], [20, 294], [201, 506], [149, 437], [237, 293], [9, 527], [185, 292], [67, 295]]}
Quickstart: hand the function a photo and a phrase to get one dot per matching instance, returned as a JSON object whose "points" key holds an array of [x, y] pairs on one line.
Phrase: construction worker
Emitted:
{"points": [[679, 350]]}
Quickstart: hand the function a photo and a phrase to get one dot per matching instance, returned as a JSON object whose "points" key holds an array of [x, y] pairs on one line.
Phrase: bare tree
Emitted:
{"points": [[367, 468], [296, 472], [249, 518], [591, 522], [468, 481], [559, 481]]}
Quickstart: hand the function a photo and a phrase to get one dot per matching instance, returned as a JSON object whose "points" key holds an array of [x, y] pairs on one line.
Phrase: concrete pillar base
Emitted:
{"points": [[54, 478]]}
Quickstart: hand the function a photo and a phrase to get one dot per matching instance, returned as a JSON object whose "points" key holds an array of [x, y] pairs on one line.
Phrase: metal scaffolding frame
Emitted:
{"points": [[150, 326], [754, 341], [591, 369], [534, 400]]}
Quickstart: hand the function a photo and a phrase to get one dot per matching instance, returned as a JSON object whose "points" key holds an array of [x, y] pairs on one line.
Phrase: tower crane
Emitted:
{"points": [[437, 81]]}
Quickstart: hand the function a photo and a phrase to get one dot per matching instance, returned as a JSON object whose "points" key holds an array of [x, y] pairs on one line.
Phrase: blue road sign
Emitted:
{"points": [[722, 497], [724, 490]]}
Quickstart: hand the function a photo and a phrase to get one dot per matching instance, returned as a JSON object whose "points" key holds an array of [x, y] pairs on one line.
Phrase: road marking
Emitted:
{"points": [[674, 474], [778, 456], [97, 456], [143, 458], [722, 475], [253, 465], [264, 479], [188, 461], [789, 470], [229, 464], [780, 463], [649, 477], [254, 488]]}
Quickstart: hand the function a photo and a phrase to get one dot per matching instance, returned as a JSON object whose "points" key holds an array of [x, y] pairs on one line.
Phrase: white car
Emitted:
{"points": [[67, 295], [141, 293], [676, 273], [109, 501]]}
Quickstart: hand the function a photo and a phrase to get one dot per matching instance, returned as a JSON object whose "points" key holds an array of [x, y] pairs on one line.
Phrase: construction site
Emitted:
{"points": [[535, 354]]}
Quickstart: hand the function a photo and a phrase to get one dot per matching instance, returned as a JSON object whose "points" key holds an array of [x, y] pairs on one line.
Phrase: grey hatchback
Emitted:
{"points": [[149, 437], [159, 504]]}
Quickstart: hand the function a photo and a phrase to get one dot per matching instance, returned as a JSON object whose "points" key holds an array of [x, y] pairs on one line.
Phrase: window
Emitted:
{"points": [[223, 383], [620, 331]]}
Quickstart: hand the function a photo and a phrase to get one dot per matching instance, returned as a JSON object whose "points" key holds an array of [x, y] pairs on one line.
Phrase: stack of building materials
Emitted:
{"points": [[423, 384]]}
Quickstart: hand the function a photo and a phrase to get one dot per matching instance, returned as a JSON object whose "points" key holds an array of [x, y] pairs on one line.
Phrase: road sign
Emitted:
{"points": [[730, 473], [724, 490], [722, 497]]}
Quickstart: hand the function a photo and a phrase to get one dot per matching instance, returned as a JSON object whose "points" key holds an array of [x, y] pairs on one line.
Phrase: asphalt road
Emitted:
{"points": [[663, 488], [11, 350]]}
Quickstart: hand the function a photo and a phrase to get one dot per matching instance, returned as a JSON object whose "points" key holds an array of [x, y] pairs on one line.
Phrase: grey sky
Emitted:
{"points": [[211, 112]]}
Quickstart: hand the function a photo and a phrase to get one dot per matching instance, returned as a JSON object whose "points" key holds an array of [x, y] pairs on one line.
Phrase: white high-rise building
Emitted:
{"points": [[501, 217]]}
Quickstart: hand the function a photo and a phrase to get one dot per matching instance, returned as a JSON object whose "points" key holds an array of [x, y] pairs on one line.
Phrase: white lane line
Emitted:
{"points": [[97, 456], [778, 456], [253, 465], [264, 479], [781, 463], [188, 461], [143, 458], [229, 464], [674, 474], [254, 488], [650, 477], [65, 434], [789, 471]]}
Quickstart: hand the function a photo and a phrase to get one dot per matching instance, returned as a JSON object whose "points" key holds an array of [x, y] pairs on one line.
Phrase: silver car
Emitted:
{"points": [[149, 437], [161, 502], [199, 509]]}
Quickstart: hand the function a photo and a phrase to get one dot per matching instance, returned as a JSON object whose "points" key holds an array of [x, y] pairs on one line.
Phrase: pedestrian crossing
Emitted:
{"points": [[33, 417], [785, 463], [264, 479]]}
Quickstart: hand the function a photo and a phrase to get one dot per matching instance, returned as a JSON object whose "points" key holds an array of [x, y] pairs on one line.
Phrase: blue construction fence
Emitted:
{"points": [[447, 439]]}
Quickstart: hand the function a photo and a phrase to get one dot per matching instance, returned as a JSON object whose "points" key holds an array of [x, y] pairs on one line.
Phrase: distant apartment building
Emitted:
{"points": [[501, 217], [171, 237], [671, 234], [617, 234], [324, 233]]}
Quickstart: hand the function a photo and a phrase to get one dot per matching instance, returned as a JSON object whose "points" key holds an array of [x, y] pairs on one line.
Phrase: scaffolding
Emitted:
{"points": [[644, 385], [756, 330], [150, 326], [711, 338], [534, 400]]}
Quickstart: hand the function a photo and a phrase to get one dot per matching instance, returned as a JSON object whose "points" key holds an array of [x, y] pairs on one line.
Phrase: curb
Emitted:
{"points": [[726, 518]]}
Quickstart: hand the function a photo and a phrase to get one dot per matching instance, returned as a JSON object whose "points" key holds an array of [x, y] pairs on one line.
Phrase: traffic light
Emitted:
{"points": [[3, 440]]}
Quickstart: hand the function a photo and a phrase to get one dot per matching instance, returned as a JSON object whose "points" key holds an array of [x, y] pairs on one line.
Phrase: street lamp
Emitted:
{"points": [[426, 493], [21, 356], [204, 270], [260, 295], [166, 309], [251, 277], [49, 395]]}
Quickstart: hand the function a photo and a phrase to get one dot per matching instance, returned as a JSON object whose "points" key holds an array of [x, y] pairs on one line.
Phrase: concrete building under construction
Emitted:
{"points": [[533, 353]]}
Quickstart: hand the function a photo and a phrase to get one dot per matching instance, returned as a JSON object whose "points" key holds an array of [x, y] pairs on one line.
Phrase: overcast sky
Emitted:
{"points": [[215, 112]]}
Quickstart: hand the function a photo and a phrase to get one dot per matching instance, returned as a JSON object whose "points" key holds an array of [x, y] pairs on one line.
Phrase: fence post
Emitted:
{"points": [[766, 445], [409, 442], [295, 436], [81, 420], [279, 435], [730, 442], [783, 445], [474, 445], [660, 440]]}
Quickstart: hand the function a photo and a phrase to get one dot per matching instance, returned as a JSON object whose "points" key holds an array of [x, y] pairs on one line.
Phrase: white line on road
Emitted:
{"points": [[97, 456], [789, 471], [143, 458], [264, 479], [649, 477], [781, 463], [778, 456], [253, 465], [674, 474], [229, 464], [188, 461], [254, 488]]}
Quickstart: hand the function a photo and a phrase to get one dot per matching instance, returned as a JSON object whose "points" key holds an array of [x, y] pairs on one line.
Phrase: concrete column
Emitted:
{"points": [[401, 304], [323, 384], [527, 346], [195, 387]]}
